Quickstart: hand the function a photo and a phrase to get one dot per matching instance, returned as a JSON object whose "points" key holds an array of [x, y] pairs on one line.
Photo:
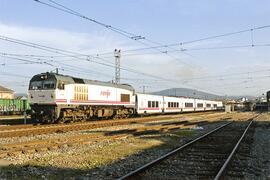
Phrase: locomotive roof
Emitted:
{"points": [[72, 80]]}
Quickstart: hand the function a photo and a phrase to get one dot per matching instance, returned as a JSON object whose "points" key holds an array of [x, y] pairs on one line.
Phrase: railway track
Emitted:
{"points": [[14, 123], [206, 157], [27, 130], [51, 143]]}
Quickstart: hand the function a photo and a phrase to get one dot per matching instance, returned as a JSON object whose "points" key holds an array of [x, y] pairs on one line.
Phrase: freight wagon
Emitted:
{"points": [[13, 106]]}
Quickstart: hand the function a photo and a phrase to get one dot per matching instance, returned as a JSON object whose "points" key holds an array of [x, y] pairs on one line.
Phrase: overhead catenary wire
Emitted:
{"points": [[201, 78], [52, 62], [25, 60], [70, 54], [138, 38], [180, 44], [72, 12], [73, 54], [197, 49]]}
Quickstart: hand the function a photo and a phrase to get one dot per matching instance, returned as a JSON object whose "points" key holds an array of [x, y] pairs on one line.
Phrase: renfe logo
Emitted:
{"points": [[105, 93]]}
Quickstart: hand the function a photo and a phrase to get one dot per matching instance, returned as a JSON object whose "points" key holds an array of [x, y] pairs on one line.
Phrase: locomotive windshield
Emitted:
{"points": [[44, 81], [35, 85], [44, 84]]}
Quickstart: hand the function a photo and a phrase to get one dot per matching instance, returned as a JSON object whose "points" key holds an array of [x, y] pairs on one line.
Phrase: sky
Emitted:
{"points": [[203, 65]]}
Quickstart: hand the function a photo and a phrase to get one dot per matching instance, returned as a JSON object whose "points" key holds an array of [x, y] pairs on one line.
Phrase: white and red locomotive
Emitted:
{"points": [[55, 98]]}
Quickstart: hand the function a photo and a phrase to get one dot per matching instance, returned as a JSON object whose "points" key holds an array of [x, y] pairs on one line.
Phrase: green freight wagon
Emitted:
{"points": [[13, 106]]}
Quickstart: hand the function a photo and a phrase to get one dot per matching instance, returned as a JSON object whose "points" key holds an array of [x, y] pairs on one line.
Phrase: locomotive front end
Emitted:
{"points": [[41, 95]]}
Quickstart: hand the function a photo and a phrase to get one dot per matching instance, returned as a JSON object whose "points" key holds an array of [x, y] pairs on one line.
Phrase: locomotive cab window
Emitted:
{"points": [[35, 85], [61, 85], [49, 84]]}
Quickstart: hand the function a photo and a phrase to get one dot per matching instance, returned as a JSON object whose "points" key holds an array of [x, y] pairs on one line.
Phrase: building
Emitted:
{"points": [[6, 93]]}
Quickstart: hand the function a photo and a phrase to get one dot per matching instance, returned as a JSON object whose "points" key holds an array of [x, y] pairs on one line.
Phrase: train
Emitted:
{"points": [[14, 106], [56, 98]]}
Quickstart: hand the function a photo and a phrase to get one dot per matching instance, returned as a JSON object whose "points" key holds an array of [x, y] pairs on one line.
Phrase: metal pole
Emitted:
{"points": [[25, 117], [117, 55], [24, 111]]}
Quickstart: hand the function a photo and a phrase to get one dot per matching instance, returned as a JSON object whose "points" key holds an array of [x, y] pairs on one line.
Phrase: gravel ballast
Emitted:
{"points": [[105, 159]]}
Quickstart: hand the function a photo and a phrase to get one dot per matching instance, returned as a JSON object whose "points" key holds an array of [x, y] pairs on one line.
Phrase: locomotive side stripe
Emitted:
{"points": [[173, 108], [149, 109], [98, 101], [60, 100], [93, 101]]}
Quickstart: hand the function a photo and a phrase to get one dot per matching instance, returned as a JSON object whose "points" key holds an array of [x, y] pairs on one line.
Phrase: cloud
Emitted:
{"points": [[176, 66], [83, 43]]}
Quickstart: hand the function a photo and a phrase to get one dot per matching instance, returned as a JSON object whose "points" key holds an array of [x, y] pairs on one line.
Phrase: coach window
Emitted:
{"points": [[208, 105], [156, 103], [153, 103], [177, 104], [149, 103], [188, 104], [169, 104]]}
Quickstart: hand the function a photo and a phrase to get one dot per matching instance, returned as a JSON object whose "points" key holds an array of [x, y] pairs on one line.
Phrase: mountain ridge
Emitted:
{"points": [[192, 93]]}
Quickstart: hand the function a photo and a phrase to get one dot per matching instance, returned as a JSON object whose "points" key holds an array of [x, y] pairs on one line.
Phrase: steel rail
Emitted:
{"points": [[223, 168], [150, 164]]}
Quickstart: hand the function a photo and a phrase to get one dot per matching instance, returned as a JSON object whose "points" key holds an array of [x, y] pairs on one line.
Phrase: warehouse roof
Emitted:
{"points": [[3, 89]]}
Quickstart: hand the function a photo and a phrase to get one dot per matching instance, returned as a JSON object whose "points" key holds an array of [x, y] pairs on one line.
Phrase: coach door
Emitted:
{"points": [[163, 104]]}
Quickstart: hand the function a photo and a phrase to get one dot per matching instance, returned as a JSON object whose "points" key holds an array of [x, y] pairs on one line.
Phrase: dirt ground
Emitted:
{"points": [[110, 158]]}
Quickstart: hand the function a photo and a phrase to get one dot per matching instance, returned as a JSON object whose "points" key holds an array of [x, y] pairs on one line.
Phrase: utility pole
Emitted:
{"points": [[117, 55]]}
